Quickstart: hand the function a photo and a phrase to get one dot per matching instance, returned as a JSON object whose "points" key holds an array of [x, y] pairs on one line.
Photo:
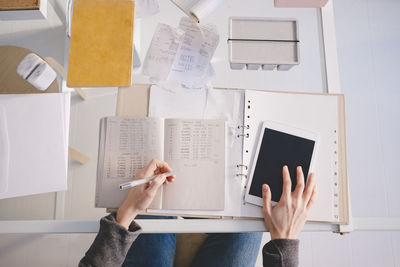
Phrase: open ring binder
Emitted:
{"points": [[247, 126], [242, 165], [242, 174], [244, 126]]}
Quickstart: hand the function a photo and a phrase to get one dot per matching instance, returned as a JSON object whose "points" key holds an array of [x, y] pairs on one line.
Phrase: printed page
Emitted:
{"points": [[182, 55], [209, 104], [129, 144], [192, 61], [162, 51], [195, 149]]}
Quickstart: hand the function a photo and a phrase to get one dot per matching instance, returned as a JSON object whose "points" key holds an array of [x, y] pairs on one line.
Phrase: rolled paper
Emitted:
{"points": [[203, 8]]}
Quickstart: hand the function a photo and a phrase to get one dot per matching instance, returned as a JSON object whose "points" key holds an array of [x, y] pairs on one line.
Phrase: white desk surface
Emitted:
{"points": [[73, 210]]}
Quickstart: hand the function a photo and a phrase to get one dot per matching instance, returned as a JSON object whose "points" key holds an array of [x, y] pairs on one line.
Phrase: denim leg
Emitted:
{"points": [[152, 250], [230, 250]]}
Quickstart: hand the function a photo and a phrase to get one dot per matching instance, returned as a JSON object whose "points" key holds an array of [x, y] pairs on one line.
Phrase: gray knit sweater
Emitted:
{"points": [[113, 242]]}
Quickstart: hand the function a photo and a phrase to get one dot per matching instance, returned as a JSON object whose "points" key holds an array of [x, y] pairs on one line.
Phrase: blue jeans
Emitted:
{"points": [[225, 249]]}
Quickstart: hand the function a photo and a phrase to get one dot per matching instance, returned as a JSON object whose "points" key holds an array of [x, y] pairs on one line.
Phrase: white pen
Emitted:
{"points": [[142, 181]]}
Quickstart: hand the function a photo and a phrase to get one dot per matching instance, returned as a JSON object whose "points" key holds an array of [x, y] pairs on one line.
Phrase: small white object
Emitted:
{"points": [[142, 181], [36, 71]]}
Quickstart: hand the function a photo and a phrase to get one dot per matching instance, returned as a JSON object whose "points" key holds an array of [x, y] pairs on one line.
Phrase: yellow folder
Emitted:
{"points": [[101, 47]]}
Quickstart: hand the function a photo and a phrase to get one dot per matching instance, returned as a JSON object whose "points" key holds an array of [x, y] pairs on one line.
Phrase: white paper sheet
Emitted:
{"points": [[194, 54], [38, 134], [146, 8], [165, 102], [162, 51], [203, 103], [195, 149], [182, 55], [208, 104]]}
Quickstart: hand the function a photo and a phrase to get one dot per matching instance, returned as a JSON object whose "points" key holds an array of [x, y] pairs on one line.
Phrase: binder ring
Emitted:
{"points": [[244, 126], [242, 174], [242, 165], [244, 135]]}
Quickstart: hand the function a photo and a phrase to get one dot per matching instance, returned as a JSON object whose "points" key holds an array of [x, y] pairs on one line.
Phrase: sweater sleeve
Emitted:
{"points": [[281, 252], [111, 244]]}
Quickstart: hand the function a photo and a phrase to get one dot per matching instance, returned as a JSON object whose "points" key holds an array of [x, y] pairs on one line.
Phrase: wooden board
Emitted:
{"points": [[133, 100], [19, 4]]}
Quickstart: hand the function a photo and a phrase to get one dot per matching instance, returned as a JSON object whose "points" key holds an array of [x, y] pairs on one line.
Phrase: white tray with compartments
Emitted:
{"points": [[263, 43]]}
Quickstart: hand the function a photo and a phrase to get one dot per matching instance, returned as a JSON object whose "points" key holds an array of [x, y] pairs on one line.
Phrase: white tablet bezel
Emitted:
{"points": [[284, 129]]}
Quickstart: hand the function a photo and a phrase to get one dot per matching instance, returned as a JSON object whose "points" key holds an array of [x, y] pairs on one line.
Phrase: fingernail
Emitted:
{"points": [[265, 188], [299, 168]]}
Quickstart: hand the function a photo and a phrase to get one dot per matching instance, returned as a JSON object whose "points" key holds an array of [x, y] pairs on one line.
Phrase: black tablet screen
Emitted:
{"points": [[279, 149]]}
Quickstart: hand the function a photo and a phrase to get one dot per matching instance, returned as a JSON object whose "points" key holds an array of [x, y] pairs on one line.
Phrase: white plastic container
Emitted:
{"points": [[266, 43]]}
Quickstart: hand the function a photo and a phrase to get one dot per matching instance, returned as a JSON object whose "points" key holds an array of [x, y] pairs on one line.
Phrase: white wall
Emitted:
{"points": [[368, 39]]}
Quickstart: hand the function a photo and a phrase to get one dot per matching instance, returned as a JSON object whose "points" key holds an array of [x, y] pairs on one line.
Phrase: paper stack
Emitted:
{"points": [[34, 131], [182, 55]]}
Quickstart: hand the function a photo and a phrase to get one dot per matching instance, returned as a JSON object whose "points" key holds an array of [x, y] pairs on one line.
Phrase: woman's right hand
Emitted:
{"points": [[140, 197], [286, 219]]}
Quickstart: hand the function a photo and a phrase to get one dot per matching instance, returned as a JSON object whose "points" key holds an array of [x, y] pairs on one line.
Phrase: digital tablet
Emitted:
{"points": [[279, 145]]}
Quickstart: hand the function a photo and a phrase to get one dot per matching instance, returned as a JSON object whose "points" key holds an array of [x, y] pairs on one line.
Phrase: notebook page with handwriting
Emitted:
{"points": [[205, 103], [195, 149], [126, 145]]}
